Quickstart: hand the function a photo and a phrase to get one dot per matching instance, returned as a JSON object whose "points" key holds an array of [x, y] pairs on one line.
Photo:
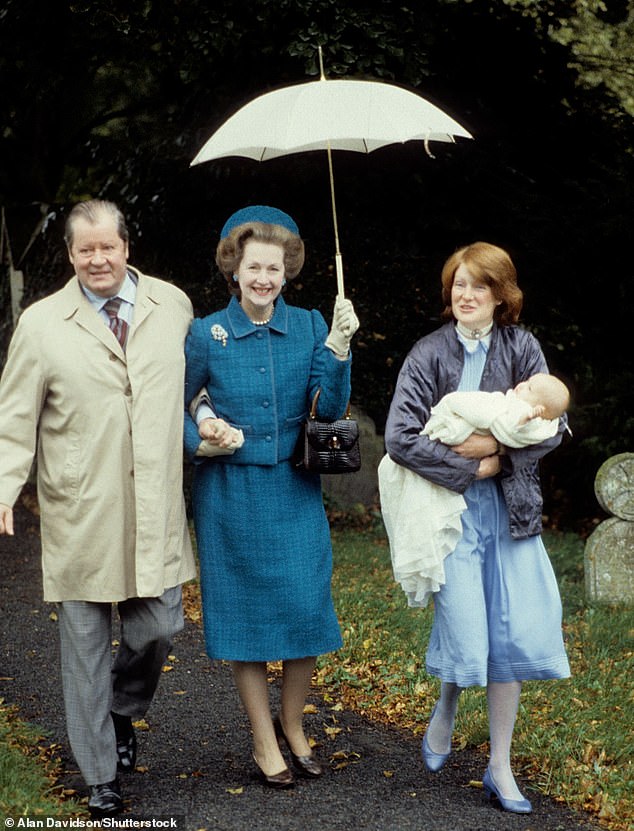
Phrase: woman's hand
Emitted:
{"points": [[218, 432], [344, 324], [489, 466], [476, 447]]}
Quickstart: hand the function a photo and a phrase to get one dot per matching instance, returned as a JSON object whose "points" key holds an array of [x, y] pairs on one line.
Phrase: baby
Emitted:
{"points": [[527, 414], [422, 519]]}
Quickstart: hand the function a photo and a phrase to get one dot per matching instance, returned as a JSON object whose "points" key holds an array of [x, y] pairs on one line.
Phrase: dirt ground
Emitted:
{"points": [[194, 763]]}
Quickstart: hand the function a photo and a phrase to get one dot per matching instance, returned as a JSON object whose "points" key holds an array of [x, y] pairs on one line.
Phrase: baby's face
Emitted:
{"points": [[527, 391]]}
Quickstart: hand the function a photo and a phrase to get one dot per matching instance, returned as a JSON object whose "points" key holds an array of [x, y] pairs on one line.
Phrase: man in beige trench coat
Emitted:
{"points": [[104, 422]]}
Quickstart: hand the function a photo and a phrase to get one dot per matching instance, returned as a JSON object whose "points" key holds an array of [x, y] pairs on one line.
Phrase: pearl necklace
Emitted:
{"points": [[262, 322]]}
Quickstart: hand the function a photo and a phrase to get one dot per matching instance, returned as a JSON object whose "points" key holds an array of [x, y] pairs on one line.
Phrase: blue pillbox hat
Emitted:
{"points": [[259, 213]]}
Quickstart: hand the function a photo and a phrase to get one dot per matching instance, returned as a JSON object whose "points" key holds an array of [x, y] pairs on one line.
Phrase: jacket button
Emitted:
{"points": [[262, 370], [268, 438], [266, 404]]}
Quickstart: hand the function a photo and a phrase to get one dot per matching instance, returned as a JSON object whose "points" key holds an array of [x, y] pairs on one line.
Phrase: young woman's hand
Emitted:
{"points": [[476, 447], [489, 466]]}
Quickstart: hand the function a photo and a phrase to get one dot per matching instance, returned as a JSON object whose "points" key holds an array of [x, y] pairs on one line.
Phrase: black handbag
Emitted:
{"points": [[328, 446]]}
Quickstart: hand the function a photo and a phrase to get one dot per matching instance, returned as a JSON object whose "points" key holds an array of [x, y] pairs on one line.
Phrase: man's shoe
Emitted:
{"points": [[126, 743], [105, 800]]}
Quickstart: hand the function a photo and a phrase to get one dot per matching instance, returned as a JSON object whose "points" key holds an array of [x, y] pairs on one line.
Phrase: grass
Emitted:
{"points": [[28, 772], [573, 737]]}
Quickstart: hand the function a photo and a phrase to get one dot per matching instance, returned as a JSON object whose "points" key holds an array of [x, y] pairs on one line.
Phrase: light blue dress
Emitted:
{"points": [[261, 529], [498, 615]]}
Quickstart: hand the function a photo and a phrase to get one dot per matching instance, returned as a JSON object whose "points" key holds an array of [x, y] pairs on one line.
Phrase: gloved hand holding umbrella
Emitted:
{"points": [[344, 324]]}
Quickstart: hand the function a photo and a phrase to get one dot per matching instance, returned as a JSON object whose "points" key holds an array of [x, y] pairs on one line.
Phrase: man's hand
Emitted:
{"points": [[6, 520]]}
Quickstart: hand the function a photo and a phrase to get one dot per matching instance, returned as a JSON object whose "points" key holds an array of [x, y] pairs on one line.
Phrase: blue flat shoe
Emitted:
{"points": [[433, 761], [515, 806]]}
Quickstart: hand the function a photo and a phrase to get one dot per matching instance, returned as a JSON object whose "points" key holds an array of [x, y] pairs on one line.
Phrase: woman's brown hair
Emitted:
{"points": [[230, 250], [493, 266]]}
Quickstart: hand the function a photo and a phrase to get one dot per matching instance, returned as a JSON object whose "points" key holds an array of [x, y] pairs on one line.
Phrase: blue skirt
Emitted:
{"points": [[498, 615], [265, 562]]}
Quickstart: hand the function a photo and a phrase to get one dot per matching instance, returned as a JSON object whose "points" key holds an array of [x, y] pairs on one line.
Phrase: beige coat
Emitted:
{"points": [[106, 429]]}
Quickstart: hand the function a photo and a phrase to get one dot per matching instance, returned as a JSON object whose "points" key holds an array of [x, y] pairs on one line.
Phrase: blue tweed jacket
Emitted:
{"points": [[261, 379]]}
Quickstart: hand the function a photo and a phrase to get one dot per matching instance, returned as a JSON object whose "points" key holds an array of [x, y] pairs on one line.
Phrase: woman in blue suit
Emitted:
{"points": [[262, 533]]}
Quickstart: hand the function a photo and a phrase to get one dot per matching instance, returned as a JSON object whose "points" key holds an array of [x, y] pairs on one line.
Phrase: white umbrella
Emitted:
{"points": [[329, 115]]}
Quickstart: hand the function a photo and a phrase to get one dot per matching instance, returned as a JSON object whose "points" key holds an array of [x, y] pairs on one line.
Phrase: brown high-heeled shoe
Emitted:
{"points": [[306, 765], [283, 779]]}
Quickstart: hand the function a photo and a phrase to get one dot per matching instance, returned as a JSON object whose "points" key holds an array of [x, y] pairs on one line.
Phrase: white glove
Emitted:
{"points": [[344, 324]]}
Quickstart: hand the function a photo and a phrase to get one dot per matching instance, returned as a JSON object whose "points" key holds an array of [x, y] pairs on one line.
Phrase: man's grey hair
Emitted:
{"points": [[92, 211]]}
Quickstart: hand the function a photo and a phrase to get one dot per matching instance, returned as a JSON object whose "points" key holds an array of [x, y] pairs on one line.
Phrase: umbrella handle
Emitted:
{"points": [[339, 267]]}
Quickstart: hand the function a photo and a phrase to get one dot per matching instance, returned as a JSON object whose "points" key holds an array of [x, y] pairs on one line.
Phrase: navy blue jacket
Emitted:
{"points": [[433, 368]]}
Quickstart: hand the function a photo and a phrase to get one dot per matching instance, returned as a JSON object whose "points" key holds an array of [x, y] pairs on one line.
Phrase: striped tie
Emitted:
{"points": [[117, 326]]}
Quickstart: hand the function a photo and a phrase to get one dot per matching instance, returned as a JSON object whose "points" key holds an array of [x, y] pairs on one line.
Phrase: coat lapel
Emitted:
{"points": [[144, 303], [77, 307]]}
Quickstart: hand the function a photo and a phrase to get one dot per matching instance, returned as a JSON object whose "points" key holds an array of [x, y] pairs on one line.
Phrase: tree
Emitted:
{"points": [[121, 100], [599, 37]]}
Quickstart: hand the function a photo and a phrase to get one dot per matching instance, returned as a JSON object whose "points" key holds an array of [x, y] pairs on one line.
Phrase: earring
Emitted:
{"points": [[284, 282], [235, 278]]}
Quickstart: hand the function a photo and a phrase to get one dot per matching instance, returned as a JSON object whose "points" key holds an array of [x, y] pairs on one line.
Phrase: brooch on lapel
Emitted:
{"points": [[218, 332]]}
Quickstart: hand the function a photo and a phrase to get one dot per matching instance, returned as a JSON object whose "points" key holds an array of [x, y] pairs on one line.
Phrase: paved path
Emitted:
{"points": [[194, 758]]}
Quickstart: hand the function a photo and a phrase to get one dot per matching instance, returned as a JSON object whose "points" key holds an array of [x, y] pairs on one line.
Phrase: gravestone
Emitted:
{"points": [[614, 486], [609, 550]]}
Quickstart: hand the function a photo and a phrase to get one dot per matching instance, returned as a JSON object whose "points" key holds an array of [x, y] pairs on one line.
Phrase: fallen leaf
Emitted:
{"points": [[345, 759], [235, 791]]}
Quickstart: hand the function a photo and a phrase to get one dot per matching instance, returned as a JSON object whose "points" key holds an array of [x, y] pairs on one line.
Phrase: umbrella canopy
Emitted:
{"points": [[347, 115], [329, 115]]}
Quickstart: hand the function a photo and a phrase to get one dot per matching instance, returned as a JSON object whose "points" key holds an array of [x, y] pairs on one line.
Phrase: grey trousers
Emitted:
{"points": [[94, 685]]}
